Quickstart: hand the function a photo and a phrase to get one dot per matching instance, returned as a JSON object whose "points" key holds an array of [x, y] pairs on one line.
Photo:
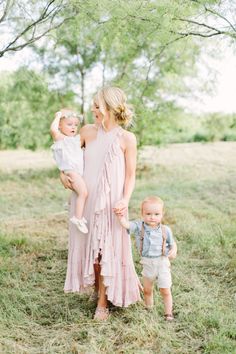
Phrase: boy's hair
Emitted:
{"points": [[152, 200]]}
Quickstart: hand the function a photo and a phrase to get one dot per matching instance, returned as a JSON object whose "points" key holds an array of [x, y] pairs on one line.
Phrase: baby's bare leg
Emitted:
{"points": [[167, 299], [148, 291], [80, 188]]}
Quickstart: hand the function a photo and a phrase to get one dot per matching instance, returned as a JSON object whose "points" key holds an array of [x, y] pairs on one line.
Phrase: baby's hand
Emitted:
{"points": [[58, 115]]}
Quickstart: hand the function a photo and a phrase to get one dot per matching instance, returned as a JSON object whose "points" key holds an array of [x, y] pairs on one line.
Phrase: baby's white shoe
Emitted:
{"points": [[80, 223], [67, 206]]}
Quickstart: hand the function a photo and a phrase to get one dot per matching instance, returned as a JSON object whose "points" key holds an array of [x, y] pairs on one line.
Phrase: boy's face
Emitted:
{"points": [[69, 126], [152, 213]]}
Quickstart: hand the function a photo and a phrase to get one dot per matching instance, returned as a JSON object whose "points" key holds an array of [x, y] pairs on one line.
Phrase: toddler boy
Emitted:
{"points": [[157, 247]]}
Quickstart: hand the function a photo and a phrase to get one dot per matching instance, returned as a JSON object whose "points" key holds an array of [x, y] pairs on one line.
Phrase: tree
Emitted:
{"points": [[25, 22], [146, 47], [71, 55], [27, 108]]}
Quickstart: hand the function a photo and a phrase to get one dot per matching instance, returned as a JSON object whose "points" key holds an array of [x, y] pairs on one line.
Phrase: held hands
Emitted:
{"points": [[66, 181], [121, 207]]}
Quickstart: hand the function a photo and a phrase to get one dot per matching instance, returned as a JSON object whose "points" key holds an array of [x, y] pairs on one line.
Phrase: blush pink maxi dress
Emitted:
{"points": [[104, 175]]}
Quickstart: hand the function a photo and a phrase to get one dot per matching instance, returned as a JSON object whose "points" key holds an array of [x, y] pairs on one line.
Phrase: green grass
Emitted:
{"points": [[37, 317]]}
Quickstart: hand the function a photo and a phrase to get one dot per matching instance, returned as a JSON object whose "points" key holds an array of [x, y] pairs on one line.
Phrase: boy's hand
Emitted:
{"points": [[121, 207], [124, 222], [172, 252]]}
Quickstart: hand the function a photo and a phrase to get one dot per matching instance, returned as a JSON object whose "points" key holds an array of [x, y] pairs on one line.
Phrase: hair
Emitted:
{"points": [[152, 200], [68, 113], [114, 100]]}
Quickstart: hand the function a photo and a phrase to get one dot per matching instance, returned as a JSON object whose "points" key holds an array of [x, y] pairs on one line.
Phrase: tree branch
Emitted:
{"points": [[221, 16], [48, 14], [197, 23], [31, 40], [203, 34], [152, 61], [5, 12]]}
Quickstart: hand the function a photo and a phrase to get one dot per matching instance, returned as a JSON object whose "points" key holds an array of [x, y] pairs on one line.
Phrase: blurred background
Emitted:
{"points": [[174, 59]]}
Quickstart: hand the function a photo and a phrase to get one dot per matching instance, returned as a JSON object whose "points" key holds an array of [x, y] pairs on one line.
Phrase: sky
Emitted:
{"points": [[222, 97], [222, 68]]}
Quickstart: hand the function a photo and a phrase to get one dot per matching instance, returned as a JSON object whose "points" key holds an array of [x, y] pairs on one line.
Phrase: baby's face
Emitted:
{"points": [[152, 213], [69, 126]]}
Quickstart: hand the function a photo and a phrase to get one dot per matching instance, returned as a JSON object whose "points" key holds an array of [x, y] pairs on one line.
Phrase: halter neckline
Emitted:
{"points": [[111, 130]]}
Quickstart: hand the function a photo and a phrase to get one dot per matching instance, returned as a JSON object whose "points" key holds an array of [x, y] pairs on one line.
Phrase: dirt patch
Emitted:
{"points": [[218, 153], [195, 154], [11, 160]]}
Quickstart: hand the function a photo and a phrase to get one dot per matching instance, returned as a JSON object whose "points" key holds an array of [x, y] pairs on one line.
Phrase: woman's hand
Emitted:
{"points": [[121, 207], [66, 181]]}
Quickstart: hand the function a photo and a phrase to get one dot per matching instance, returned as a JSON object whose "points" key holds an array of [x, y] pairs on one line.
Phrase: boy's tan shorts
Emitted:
{"points": [[157, 268]]}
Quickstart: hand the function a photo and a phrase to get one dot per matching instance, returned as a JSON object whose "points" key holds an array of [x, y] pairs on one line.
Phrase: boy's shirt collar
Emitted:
{"points": [[149, 228]]}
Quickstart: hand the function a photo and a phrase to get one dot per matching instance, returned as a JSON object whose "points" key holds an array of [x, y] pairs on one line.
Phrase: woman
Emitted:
{"points": [[104, 256]]}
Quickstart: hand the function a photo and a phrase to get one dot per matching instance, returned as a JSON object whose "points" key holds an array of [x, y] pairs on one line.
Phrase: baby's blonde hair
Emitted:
{"points": [[152, 200], [114, 100], [70, 113]]}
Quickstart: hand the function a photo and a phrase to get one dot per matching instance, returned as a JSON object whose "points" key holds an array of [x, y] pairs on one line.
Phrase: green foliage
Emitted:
{"points": [[142, 46], [215, 127], [27, 107]]}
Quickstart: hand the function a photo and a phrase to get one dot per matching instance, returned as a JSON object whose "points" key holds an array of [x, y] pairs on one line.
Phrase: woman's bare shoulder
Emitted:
{"points": [[88, 129], [129, 137], [128, 140]]}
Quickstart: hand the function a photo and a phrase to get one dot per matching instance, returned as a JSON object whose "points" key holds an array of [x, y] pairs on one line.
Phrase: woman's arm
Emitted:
{"points": [[130, 151], [130, 165], [54, 128]]}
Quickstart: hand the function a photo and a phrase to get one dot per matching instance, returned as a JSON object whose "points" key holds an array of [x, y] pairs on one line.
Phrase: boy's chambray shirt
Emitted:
{"points": [[152, 241]]}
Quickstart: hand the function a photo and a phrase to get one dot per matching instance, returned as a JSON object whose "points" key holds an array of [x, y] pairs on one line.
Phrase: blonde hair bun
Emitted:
{"points": [[123, 115], [114, 100]]}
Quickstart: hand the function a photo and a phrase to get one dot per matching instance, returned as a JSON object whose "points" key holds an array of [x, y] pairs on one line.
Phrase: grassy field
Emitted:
{"points": [[198, 184]]}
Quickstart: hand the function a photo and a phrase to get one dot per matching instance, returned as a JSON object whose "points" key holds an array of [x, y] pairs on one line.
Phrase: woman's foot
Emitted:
{"points": [[101, 314]]}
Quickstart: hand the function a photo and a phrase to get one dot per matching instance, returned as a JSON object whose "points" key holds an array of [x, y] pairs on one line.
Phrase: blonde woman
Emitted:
{"points": [[104, 257]]}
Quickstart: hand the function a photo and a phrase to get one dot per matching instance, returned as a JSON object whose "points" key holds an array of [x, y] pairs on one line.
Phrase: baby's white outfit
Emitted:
{"points": [[68, 154], [69, 157]]}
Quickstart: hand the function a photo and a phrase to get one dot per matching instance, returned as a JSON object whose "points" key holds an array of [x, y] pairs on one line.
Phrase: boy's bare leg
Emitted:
{"points": [[148, 292], [80, 188], [167, 299]]}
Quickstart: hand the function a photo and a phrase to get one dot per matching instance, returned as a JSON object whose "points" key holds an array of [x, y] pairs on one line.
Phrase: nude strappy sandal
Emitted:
{"points": [[101, 314]]}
